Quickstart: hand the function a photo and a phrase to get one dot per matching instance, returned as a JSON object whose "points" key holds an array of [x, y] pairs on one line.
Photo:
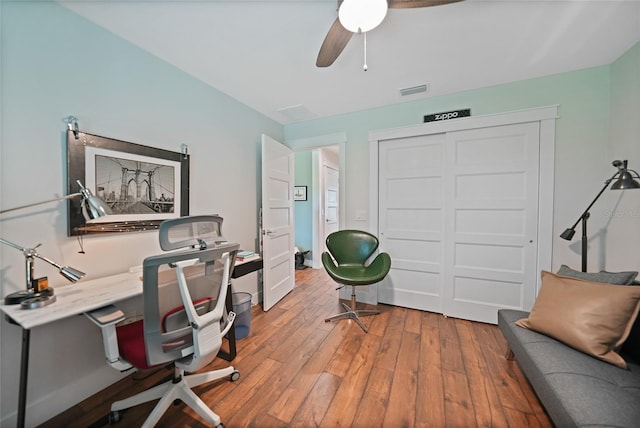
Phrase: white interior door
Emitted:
{"points": [[278, 226], [411, 221], [331, 201], [491, 226]]}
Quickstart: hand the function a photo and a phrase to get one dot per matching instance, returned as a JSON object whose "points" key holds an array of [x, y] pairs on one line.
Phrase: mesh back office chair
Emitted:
{"points": [[351, 249], [188, 344]]}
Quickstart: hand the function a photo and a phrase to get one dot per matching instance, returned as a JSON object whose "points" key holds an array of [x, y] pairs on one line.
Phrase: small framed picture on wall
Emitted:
{"points": [[300, 193]]}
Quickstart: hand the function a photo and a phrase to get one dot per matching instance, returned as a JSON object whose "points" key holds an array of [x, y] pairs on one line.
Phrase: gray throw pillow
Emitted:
{"points": [[617, 278]]}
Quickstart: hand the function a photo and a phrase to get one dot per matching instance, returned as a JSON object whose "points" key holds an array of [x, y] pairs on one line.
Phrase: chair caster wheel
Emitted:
{"points": [[234, 377], [114, 417]]}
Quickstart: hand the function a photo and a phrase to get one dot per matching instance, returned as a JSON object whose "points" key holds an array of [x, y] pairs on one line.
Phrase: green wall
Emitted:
{"points": [[303, 209], [625, 102], [622, 209], [582, 134], [56, 64]]}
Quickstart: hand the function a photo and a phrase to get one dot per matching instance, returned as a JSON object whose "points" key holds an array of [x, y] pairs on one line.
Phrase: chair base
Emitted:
{"points": [[353, 313], [179, 388]]}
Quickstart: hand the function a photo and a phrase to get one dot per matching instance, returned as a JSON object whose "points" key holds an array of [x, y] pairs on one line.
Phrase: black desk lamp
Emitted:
{"points": [[37, 292], [625, 180]]}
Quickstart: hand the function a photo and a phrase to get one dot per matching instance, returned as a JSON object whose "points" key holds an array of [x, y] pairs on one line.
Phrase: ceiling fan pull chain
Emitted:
{"points": [[365, 52]]}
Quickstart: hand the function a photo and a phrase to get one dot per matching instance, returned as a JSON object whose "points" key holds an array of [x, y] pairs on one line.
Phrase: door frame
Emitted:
{"points": [[320, 163], [311, 144], [546, 116]]}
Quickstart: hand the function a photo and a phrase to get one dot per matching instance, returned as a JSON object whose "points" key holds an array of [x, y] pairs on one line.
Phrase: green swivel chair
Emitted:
{"points": [[349, 250]]}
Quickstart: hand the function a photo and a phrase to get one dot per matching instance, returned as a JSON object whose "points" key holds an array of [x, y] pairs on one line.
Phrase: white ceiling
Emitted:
{"points": [[263, 52]]}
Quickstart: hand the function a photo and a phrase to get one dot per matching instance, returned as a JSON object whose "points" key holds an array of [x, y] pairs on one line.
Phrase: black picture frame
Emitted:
{"points": [[82, 145], [299, 193]]}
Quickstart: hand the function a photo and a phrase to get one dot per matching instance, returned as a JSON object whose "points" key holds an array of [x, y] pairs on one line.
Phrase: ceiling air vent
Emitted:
{"points": [[297, 113], [413, 90]]}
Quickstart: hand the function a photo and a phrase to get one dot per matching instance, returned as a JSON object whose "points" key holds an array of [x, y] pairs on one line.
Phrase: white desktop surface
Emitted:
{"points": [[78, 298]]}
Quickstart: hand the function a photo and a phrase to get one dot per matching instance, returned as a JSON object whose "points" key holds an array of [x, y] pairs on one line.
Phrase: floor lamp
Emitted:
{"points": [[625, 179], [37, 292]]}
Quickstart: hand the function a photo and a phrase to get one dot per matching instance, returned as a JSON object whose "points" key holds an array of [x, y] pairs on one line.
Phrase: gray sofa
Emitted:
{"points": [[576, 389]]}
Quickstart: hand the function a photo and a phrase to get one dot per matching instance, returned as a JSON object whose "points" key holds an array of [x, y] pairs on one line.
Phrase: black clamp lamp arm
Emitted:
{"points": [[92, 208], [625, 180]]}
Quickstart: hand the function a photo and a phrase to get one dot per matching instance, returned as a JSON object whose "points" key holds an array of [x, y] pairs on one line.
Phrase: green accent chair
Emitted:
{"points": [[349, 250]]}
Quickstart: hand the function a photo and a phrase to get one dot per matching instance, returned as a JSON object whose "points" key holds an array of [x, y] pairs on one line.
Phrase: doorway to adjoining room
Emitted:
{"points": [[318, 215]]}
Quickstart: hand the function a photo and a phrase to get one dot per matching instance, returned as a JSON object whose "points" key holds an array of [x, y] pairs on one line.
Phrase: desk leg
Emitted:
{"points": [[231, 335], [24, 371]]}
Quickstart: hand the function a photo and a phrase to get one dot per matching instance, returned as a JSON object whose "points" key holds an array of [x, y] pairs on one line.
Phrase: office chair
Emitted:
{"points": [[351, 249], [189, 336]]}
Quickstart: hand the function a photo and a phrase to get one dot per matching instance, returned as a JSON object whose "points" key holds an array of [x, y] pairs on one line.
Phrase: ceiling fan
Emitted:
{"points": [[338, 36]]}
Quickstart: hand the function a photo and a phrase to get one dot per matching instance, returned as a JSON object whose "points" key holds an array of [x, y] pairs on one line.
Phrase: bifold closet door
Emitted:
{"points": [[458, 213], [411, 220], [491, 222]]}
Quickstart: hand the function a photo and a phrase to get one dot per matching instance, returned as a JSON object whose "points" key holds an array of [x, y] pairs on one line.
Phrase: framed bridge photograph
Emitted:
{"points": [[142, 185]]}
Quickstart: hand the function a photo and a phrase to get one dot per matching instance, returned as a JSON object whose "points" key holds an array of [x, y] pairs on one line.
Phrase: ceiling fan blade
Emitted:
{"points": [[335, 42], [406, 4]]}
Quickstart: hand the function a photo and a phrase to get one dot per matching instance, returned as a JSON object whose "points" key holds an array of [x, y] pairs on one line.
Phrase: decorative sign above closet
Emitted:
{"points": [[455, 114]]}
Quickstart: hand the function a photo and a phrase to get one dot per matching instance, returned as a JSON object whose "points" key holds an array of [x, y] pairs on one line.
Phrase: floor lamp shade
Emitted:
{"points": [[626, 180]]}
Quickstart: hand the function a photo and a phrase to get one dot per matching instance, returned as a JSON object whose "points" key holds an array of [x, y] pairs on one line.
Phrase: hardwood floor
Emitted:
{"points": [[413, 369]]}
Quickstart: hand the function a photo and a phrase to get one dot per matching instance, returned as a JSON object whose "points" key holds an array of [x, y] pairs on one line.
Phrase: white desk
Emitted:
{"points": [[85, 296], [71, 299], [78, 298]]}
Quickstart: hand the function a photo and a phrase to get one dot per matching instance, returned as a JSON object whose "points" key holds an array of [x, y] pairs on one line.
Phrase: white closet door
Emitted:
{"points": [[411, 220], [491, 186]]}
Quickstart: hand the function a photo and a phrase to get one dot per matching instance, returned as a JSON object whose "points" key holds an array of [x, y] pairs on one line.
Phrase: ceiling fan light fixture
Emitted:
{"points": [[360, 16]]}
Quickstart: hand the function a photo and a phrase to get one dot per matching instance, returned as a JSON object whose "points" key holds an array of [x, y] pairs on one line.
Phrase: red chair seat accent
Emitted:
{"points": [[131, 338], [131, 344]]}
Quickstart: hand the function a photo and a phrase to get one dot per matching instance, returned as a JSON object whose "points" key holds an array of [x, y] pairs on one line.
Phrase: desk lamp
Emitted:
{"points": [[37, 292], [625, 180]]}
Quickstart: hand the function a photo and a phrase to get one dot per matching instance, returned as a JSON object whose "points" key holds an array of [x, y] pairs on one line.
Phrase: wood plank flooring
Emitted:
{"points": [[413, 369]]}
